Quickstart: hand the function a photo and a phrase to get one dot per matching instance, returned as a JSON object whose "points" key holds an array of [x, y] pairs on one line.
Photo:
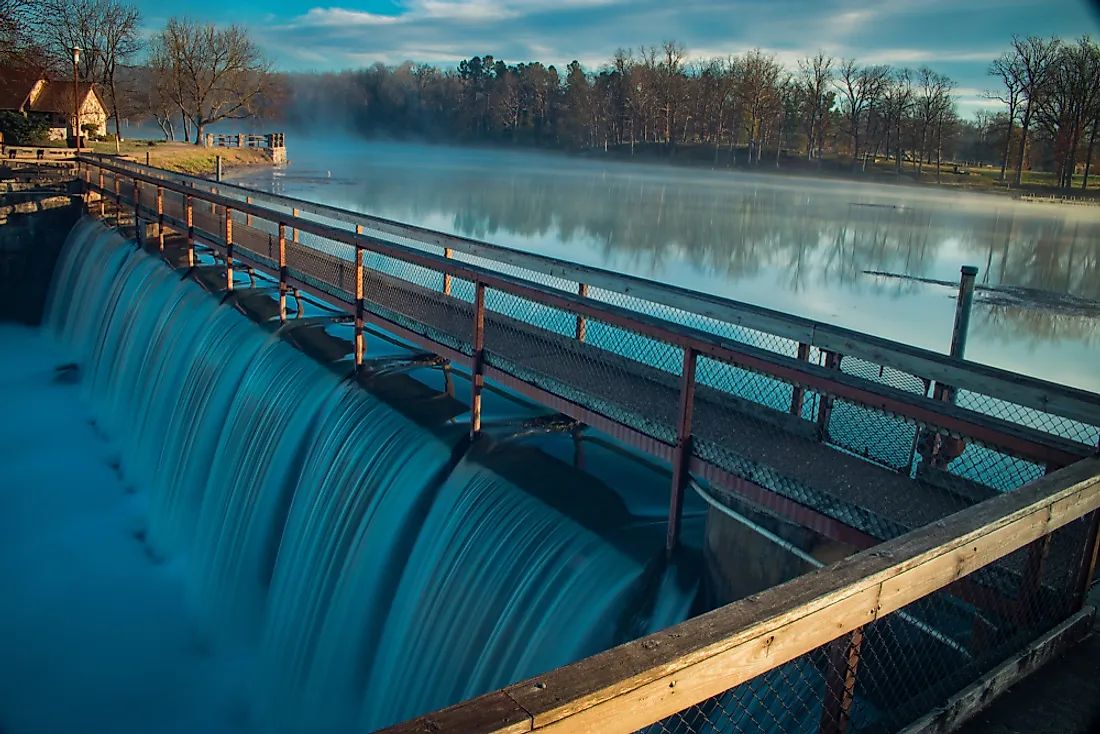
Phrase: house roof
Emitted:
{"points": [[15, 87], [57, 96]]}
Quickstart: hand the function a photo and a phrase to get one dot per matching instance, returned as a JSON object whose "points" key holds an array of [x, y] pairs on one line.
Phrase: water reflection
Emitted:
{"points": [[800, 245]]}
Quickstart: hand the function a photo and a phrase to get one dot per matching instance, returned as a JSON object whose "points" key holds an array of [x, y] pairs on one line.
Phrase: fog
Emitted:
{"points": [[809, 246]]}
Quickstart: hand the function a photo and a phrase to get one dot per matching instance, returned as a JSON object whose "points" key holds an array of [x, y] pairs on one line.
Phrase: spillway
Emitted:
{"points": [[377, 567]]}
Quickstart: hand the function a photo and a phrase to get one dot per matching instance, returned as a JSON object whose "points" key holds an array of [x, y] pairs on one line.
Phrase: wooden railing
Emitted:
{"points": [[270, 140], [634, 685]]}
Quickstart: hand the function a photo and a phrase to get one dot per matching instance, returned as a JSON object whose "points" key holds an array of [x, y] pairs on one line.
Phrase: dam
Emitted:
{"points": [[410, 472]]}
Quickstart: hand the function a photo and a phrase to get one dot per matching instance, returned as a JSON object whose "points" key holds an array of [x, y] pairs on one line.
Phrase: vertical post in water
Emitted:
{"points": [[218, 169], [147, 158], [682, 457], [447, 276], [582, 322], [798, 394], [478, 380], [282, 273], [190, 232], [360, 306], [959, 331], [294, 211], [840, 682], [160, 218], [228, 249]]}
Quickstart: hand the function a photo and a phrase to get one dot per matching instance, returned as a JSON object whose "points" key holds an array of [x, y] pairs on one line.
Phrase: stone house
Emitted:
{"points": [[51, 100]]}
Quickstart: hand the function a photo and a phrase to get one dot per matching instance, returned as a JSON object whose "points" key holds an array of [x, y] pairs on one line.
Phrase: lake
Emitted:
{"points": [[852, 254]]}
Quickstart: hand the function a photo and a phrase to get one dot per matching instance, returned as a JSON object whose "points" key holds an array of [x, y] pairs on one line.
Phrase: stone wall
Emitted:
{"points": [[36, 214]]}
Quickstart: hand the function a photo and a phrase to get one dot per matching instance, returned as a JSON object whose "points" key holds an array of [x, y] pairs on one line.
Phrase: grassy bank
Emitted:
{"points": [[184, 157]]}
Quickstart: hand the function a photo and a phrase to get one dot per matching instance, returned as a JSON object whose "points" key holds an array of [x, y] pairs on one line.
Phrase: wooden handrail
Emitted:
{"points": [[1028, 443], [631, 686], [1062, 400]]}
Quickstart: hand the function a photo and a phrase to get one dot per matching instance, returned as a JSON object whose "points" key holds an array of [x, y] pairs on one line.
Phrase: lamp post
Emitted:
{"points": [[76, 98]]}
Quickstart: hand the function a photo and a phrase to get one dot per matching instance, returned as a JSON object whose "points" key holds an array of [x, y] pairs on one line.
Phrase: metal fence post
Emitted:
{"points": [[160, 218], [447, 276], [118, 197], [102, 198], [228, 249], [190, 232], [137, 214], [682, 456], [582, 322], [825, 404], [840, 682], [798, 393], [1089, 552], [1032, 581], [360, 308], [248, 215], [961, 328], [294, 211], [478, 381], [282, 272]]}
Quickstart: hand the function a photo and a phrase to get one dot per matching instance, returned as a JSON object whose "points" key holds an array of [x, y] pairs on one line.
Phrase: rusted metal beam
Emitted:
{"points": [[798, 393], [228, 249], [478, 378], [360, 309], [682, 455], [582, 322], [282, 272], [840, 682]]}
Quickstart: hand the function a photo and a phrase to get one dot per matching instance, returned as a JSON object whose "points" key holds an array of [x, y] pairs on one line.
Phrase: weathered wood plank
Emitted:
{"points": [[971, 701], [494, 713]]}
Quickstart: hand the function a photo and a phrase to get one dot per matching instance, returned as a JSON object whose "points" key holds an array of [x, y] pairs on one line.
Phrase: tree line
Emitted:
{"points": [[746, 108], [740, 109]]}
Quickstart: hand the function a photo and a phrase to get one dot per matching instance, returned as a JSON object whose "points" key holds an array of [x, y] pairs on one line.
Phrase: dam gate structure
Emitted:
{"points": [[967, 496]]}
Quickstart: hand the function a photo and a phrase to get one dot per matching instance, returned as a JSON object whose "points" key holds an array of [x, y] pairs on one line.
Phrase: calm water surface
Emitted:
{"points": [[798, 245]]}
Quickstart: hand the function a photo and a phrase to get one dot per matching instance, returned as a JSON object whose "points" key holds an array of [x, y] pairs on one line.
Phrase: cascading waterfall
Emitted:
{"points": [[379, 570]]}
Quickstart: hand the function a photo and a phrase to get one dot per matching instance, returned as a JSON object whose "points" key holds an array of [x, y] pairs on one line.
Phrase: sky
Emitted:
{"points": [[955, 37]]}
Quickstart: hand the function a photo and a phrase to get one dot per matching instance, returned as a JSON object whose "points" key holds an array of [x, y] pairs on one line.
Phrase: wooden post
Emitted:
{"points": [[1032, 582], [682, 457], [190, 232], [478, 360], [825, 404], [118, 197], [228, 249], [102, 197], [360, 308], [147, 158], [248, 216], [218, 169], [282, 273], [840, 682], [294, 211], [963, 305], [213, 207], [446, 276], [582, 322], [798, 394], [1089, 553], [160, 218]]}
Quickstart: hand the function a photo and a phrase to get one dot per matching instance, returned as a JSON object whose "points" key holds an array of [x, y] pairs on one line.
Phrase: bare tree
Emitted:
{"points": [[211, 73], [118, 43], [1007, 68], [815, 77], [860, 88], [1033, 60]]}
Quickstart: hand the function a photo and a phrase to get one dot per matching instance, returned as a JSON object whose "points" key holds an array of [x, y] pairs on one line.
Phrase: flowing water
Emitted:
{"points": [[378, 567], [880, 259]]}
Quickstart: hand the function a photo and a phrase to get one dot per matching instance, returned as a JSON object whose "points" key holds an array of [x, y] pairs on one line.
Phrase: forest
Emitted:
{"points": [[744, 109]]}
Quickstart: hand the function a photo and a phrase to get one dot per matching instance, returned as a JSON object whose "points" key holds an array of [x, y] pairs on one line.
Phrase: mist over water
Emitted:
{"points": [[798, 245]]}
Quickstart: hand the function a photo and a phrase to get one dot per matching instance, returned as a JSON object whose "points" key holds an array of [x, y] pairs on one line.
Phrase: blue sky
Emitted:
{"points": [[955, 37]]}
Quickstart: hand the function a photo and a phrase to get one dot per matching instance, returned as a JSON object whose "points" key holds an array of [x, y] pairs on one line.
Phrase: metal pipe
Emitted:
{"points": [[228, 249], [816, 563], [963, 305], [190, 232], [282, 273], [360, 309], [160, 218], [682, 455]]}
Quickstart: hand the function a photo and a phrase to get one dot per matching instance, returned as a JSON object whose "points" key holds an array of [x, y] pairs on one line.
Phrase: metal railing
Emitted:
{"points": [[270, 140], [858, 438], [806, 419]]}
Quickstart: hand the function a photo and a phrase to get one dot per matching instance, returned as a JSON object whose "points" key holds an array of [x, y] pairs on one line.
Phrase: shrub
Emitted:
{"points": [[20, 130]]}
